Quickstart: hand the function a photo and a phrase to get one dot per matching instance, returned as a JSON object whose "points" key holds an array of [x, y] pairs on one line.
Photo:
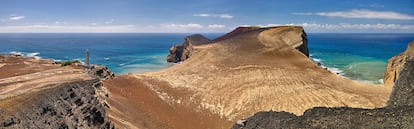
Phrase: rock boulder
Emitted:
{"points": [[183, 51]]}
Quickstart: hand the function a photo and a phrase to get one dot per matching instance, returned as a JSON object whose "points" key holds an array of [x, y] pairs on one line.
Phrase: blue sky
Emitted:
{"points": [[189, 16]]}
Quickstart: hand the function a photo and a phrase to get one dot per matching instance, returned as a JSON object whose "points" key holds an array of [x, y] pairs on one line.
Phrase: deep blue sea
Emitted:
{"points": [[360, 57]]}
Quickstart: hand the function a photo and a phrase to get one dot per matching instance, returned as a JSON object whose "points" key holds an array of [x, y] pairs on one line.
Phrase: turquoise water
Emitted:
{"points": [[360, 57], [122, 53], [356, 56]]}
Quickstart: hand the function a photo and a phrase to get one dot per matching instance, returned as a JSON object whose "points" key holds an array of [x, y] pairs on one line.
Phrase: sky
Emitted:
{"points": [[204, 16]]}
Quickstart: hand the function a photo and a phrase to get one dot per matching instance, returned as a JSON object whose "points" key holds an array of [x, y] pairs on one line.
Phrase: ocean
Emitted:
{"points": [[361, 57], [122, 53]]}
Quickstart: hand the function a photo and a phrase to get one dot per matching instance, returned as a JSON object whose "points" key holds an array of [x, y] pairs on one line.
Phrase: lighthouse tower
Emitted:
{"points": [[87, 58]]}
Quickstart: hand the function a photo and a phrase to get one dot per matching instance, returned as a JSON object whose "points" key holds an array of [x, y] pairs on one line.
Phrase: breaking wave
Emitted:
{"points": [[26, 54], [331, 69]]}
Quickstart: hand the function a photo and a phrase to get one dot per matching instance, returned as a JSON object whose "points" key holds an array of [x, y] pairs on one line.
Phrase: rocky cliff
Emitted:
{"points": [[183, 51], [395, 64], [397, 114], [45, 95], [69, 105], [403, 90]]}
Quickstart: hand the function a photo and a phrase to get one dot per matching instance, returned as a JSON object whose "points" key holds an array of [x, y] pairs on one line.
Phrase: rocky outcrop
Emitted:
{"points": [[396, 63], [69, 105], [398, 113], [181, 52], [304, 46], [101, 72], [403, 90], [197, 39]]}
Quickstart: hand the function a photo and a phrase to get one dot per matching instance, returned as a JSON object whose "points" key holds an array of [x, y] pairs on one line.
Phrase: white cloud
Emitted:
{"points": [[202, 15], [197, 28], [216, 26], [226, 16], [62, 27], [260, 25], [182, 26], [68, 29], [347, 27], [94, 24], [363, 14], [14, 18], [223, 16], [244, 25], [270, 25]]}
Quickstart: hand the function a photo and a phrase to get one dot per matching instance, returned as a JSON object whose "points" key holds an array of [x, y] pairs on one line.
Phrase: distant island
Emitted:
{"points": [[251, 77]]}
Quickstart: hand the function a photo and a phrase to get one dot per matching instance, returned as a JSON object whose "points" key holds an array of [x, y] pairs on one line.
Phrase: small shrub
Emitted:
{"points": [[66, 63]]}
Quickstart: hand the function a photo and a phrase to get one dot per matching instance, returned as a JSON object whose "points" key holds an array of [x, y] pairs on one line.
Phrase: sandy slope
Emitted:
{"points": [[20, 76], [14, 66], [253, 71], [138, 102]]}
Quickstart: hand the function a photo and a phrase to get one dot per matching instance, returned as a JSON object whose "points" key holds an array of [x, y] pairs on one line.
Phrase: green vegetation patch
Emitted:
{"points": [[66, 63]]}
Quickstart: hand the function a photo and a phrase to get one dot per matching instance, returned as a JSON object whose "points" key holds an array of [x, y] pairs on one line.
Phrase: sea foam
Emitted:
{"points": [[34, 54], [319, 62], [25, 54]]}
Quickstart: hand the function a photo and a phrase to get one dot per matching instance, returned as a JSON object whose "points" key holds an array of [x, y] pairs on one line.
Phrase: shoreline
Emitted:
{"points": [[333, 70], [141, 60], [344, 72], [222, 82], [140, 71]]}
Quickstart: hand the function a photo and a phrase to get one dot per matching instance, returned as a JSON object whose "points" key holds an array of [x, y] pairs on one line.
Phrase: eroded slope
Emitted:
{"points": [[40, 94]]}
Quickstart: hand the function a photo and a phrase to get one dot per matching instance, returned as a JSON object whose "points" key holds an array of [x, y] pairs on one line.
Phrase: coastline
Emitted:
{"points": [[220, 83], [138, 59], [142, 69], [347, 73]]}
